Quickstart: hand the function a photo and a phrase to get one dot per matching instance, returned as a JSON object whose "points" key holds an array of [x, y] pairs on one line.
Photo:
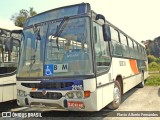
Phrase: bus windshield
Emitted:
{"points": [[45, 53]]}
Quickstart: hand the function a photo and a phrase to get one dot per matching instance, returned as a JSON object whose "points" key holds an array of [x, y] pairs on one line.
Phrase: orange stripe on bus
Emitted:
{"points": [[133, 64]]}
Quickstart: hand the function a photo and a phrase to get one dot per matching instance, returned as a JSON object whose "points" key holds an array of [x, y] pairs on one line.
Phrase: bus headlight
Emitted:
{"points": [[21, 93], [70, 95], [79, 94]]}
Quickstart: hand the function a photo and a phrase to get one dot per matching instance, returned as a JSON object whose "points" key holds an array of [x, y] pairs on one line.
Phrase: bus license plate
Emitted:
{"points": [[75, 104]]}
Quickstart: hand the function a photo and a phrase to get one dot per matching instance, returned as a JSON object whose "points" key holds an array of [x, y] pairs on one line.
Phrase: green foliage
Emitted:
{"points": [[153, 80], [154, 63], [153, 66], [151, 58], [158, 60], [20, 18]]}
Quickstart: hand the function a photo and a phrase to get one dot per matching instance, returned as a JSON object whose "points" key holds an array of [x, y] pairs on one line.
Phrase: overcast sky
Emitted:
{"points": [[138, 18]]}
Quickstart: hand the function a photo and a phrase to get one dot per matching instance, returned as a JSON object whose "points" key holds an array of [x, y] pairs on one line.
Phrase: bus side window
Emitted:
{"points": [[139, 51], [103, 58], [131, 50], [144, 54], [96, 41], [115, 44], [124, 44], [95, 34], [135, 50]]}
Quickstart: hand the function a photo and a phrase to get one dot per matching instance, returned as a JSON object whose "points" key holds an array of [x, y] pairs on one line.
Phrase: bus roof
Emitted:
{"points": [[57, 13]]}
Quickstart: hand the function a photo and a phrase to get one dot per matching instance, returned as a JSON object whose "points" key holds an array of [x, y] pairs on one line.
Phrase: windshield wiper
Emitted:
{"points": [[37, 35], [38, 38], [60, 29]]}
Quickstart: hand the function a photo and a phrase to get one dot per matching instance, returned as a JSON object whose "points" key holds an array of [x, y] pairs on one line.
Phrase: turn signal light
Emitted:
{"points": [[87, 94], [34, 89]]}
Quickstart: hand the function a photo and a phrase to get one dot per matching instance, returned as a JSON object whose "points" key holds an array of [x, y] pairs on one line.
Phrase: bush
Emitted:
{"points": [[153, 66], [153, 80], [151, 59]]}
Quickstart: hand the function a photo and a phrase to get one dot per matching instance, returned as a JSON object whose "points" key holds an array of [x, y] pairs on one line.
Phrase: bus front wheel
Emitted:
{"points": [[117, 96]]}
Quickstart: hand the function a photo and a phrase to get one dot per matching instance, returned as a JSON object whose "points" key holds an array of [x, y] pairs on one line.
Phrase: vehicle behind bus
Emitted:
{"points": [[9, 57], [74, 59]]}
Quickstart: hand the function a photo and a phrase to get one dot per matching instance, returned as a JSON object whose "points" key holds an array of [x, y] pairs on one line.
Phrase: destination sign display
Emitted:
{"points": [[59, 13]]}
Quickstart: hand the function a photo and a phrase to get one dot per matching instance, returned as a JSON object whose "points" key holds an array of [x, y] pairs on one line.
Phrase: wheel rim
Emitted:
{"points": [[117, 94]]}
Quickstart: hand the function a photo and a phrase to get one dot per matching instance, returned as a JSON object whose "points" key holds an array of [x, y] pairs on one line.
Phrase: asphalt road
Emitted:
{"points": [[138, 103]]}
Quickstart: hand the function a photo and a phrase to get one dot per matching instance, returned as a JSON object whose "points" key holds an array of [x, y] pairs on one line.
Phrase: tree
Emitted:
{"points": [[151, 58], [20, 18]]}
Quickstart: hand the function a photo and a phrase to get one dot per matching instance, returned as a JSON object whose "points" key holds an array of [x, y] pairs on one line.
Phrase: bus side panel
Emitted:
{"points": [[9, 87], [128, 70], [105, 86], [99, 98], [108, 94], [1, 90], [131, 82], [104, 79], [15, 92], [89, 84], [121, 67], [7, 92], [146, 75], [94, 102]]}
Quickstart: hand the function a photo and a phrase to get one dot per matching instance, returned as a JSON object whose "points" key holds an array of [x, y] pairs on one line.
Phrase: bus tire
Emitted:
{"points": [[117, 96], [141, 85]]}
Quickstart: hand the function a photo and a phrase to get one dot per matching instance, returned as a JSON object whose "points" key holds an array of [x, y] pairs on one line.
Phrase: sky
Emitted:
{"points": [[138, 18]]}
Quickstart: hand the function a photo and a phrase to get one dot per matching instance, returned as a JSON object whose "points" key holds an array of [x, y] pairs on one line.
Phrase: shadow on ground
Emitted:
{"points": [[6, 106]]}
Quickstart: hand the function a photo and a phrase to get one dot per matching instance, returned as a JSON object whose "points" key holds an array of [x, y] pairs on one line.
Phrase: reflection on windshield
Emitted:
{"points": [[37, 44], [31, 61], [72, 58]]}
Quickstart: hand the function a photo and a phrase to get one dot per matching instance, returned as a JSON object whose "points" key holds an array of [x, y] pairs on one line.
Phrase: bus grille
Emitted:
{"points": [[48, 95], [48, 85]]}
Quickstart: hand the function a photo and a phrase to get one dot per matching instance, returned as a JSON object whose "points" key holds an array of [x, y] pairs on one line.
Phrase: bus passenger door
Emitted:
{"points": [[103, 63]]}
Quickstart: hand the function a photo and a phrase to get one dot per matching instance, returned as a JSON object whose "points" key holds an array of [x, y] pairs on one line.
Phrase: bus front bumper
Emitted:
{"points": [[87, 104]]}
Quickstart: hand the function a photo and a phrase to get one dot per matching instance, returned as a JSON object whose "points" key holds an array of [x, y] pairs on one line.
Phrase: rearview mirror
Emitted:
{"points": [[99, 16], [106, 32]]}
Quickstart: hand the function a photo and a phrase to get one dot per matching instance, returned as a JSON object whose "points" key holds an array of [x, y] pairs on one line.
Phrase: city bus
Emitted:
{"points": [[74, 59], [9, 57]]}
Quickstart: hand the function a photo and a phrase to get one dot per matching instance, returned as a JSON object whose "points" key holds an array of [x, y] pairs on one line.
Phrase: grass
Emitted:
{"points": [[153, 80], [154, 69]]}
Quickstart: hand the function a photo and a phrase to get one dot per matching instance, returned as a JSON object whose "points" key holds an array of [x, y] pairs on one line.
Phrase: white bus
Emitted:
{"points": [[9, 57], [73, 59]]}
